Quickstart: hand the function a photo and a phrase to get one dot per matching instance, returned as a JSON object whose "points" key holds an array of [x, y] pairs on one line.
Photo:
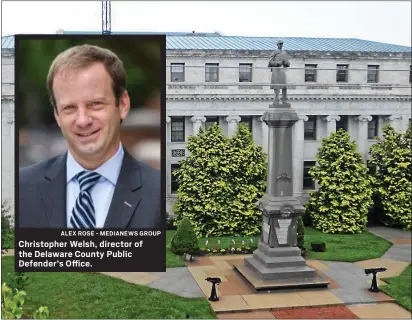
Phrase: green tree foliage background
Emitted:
{"points": [[141, 58], [341, 203], [220, 182], [393, 181]]}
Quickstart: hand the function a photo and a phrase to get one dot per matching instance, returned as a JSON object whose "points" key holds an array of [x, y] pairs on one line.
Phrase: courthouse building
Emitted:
{"points": [[357, 85]]}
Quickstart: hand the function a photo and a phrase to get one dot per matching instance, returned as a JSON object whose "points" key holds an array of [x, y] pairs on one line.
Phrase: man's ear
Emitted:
{"points": [[124, 105]]}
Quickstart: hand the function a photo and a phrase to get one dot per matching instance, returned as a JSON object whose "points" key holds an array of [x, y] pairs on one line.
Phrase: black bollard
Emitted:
{"points": [[213, 294], [374, 271]]}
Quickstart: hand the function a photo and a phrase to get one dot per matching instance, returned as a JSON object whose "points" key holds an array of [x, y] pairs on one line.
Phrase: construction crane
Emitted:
{"points": [[106, 17]]}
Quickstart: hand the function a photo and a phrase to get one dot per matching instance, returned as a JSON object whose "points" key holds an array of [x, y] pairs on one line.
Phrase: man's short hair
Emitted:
{"points": [[82, 56]]}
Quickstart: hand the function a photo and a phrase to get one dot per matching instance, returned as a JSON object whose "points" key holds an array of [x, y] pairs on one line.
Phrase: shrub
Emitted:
{"points": [[341, 203], [318, 246], [307, 220], [7, 231], [185, 239], [393, 180], [220, 182], [11, 302], [17, 280], [301, 233]]}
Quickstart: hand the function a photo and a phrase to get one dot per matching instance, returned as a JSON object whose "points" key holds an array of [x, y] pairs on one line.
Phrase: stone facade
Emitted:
{"points": [[325, 102]]}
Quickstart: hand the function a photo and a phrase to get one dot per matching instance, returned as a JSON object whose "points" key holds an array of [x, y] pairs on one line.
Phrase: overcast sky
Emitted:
{"points": [[382, 21]]}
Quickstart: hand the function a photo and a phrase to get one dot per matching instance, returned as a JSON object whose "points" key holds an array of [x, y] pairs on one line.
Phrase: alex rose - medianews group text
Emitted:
{"points": [[90, 250]]}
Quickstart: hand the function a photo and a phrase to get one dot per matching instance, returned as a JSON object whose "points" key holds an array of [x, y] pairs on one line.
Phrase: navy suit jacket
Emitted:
{"points": [[42, 196]]}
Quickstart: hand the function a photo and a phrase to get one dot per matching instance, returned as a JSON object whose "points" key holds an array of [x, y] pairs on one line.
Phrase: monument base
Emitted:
{"points": [[260, 285], [278, 268]]}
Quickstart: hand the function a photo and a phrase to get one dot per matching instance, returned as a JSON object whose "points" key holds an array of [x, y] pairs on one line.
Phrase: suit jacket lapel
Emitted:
{"points": [[54, 192], [127, 194]]}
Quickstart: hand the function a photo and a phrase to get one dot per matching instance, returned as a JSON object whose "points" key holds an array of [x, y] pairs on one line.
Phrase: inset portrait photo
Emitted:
{"points": [[88, 122]]}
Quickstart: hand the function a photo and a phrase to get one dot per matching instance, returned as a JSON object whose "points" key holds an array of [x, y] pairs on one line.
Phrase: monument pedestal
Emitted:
{"points": [[277, 263], [278, 268]]}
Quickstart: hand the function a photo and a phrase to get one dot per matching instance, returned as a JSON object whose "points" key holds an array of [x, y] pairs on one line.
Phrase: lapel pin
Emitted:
{"points": [[127, 204]]}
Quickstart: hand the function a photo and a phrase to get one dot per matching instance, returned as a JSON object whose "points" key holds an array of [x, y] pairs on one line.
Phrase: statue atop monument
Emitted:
{"points": [[279, 60]]}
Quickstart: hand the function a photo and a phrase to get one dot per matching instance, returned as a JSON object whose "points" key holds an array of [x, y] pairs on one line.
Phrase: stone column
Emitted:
{"points": [[395, 121], [264, 135], [197, 123], [331, 124], [232, 124], [363, 135], [297, 151]]}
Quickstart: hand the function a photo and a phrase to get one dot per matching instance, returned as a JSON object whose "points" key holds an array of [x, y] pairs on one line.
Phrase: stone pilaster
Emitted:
{"points": [[363, 135], [232, 124], [331, 124], [197, 123], [395, 122], [297, 151]]}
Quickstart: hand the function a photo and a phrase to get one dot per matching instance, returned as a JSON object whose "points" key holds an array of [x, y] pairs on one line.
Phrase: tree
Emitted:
{"points": [[341, 203], [185, 239], [219, 183], [393, 180], [248, 178], [204, 192]]}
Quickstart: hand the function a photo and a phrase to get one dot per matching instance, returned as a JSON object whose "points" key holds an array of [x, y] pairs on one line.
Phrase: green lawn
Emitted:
{"points": [[95, 296], [348, 248], [400, 288]]}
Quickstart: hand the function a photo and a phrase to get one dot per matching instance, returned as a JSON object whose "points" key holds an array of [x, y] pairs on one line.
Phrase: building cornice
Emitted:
{"points": [[177, 97], [264, 54], [293, 54]]}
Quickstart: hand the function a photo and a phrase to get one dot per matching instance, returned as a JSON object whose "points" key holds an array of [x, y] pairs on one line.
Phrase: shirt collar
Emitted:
{"points": [[109, 170]]}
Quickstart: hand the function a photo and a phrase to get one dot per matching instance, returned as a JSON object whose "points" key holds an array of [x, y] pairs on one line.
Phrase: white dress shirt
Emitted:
{"points": [[103, 190]]}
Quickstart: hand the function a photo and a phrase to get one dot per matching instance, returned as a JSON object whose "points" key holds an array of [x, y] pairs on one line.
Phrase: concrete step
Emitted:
{"points": [[279, 262], [265, 273]]}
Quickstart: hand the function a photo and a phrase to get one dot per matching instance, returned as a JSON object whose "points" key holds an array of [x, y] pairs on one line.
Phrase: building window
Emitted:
{"points": [[310, 72], [245, 72], [247, 121], [178, 129], [308, 182], [342, 123], [177, 72], [174, 181], [310, 128], [210, 121], [371, 168], [342, 73], [373, 72], [373, 128], [212, 72]]}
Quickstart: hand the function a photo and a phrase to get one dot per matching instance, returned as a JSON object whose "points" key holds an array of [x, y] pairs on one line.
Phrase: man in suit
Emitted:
{"points": [[96, 183]]}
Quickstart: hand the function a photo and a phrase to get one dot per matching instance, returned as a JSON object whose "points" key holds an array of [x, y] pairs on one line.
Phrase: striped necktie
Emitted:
{"points": [[83, 215]]}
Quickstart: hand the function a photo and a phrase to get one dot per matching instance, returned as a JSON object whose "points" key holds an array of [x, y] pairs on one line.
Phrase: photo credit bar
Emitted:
{"points": [[96, 250]]}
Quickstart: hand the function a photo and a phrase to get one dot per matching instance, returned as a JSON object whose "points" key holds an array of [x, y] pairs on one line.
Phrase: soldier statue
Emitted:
{"points": [[278, 61]]}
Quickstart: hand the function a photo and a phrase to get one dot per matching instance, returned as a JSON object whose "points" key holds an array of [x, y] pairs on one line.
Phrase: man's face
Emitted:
{"points": [[280, 45], [87, 113]]}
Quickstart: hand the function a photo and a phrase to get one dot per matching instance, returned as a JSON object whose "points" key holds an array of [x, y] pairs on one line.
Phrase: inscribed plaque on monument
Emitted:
{"points": [[282, 231]]}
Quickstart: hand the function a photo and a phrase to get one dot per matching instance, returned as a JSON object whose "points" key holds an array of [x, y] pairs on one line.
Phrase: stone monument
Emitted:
{"points": [[277, 263]]}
